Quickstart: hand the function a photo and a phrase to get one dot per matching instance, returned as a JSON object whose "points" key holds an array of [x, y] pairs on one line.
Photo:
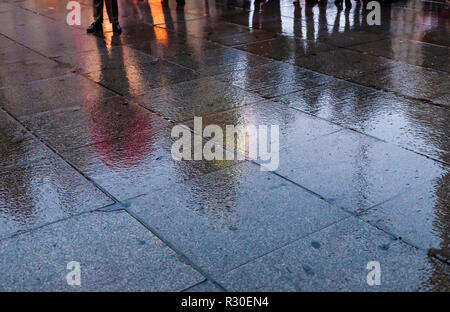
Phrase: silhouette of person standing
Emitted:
{"points": [[113, 13]]}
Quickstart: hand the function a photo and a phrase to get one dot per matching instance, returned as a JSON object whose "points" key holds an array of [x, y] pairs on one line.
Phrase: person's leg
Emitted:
{"points": [[98, 10], [98, 16], [113, 13]]}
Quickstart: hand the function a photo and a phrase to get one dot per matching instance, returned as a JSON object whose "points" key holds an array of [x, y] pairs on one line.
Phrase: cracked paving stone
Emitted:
{"points": [[336, 259], [52, 94], [274, 79], [199, 97], [44, 191], [355, 171], [115, 253], [220, 215]]}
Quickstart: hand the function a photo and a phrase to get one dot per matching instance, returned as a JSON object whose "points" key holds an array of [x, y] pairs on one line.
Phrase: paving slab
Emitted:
{"points": [[135, 80], [44, 191], [199, 97], [17, 145], [336, 259], [114, 251], [118, 57], [65, 39], [412, 81], [226, 218], [294, 126], [345, 64], [134, 165], [30, 69], [52, 94], [408, 51], [205, 28], [12, 52], [285, 49], [355, 171], [274, 79], [419, 216], [93, 122], [408, 123], [324, 101], [205, 286]]}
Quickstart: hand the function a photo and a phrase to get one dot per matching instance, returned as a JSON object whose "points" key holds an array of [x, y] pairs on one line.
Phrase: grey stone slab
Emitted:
{"points": [[17, 145], [242, 37], [294, 126], [21, 26], [12, 52], [93, 122], [45, 95], [138, 164], [205, 57], [336, 259], [345, 64], [205, 28], [224, 219], [411, 124], [205, 286], [419, 216], [135, 80], [325, 101], [114, 251], [355, 171], [408, 51], [285, 48], [198, 97], [274, 79], [44, 191], [413, 81], [118, 57], [14, 74], [433, 36]]}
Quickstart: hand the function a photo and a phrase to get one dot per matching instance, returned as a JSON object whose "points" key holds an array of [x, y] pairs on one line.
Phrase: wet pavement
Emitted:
{"points": [[87, 172]]}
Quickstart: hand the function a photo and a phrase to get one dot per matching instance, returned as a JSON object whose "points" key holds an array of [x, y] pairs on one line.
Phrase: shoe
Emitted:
{"points": [[116, 28], [95, 26]]}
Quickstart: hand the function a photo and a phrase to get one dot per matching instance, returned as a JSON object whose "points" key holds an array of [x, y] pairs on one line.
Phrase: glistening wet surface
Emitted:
{"points": [[364, 146]]}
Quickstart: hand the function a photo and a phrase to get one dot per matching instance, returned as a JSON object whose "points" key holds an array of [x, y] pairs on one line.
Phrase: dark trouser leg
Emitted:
{"points": [[113, 10], [98, 10]]}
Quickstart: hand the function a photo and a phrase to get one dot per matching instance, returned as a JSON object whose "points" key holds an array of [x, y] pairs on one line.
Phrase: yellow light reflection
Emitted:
{"points": [[158, 18]]}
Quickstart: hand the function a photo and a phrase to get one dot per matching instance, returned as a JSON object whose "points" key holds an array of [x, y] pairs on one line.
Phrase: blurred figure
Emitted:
{"points": [[165, 3], [113, 13]]}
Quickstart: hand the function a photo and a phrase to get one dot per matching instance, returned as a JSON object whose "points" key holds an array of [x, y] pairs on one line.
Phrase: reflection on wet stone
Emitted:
{"points": [[364, 146]]}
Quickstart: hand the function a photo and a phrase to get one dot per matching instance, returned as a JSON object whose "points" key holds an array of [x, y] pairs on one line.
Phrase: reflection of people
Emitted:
{"points": [[113, 13]]}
